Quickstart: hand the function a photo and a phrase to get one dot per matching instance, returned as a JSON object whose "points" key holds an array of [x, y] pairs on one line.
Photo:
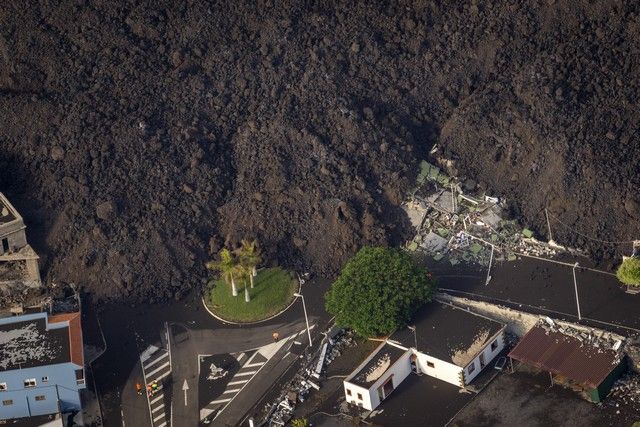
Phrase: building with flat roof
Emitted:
{"points": [[445, 342], [41, 365]]}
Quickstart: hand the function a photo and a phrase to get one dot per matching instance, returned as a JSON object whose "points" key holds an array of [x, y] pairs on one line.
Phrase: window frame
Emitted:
{"points": [[40, 397], [45, 379], [4, 387], [349, 392], [494, 345], [471, 368], [7, 402], [28, 381], [359, 396], [431, 365]]}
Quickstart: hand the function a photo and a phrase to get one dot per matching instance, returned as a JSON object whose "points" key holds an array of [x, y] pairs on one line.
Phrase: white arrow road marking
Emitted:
{"points": [[185, 387]]}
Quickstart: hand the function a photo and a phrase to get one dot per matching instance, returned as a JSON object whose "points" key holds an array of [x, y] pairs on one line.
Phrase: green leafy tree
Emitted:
{"points": [[378, 291], [300, 422], [226, 265], [629, 271]]}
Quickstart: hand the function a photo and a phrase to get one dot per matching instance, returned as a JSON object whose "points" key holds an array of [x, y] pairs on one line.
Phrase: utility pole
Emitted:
{"points": [[575, 286], [546, 214], [415, 336], [306, 318], [489, 269]]}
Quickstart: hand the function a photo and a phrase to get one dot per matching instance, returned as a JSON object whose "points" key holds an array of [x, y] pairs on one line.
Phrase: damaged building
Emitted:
{"points": [[19, 272], [445, 342]]}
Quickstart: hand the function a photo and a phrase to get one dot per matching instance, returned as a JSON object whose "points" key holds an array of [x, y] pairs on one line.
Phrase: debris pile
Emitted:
{"points": [[600, 339], [626, 390], [465, 227], [309, 377]]}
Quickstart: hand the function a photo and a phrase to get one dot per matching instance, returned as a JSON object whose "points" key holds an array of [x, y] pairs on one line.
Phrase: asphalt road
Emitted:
{"points": [[533, 284], [129, 330]]}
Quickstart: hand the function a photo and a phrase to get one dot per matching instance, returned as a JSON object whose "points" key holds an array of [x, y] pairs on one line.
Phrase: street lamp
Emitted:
{"points": [[575, 286], [415, 337], [306, 318]]}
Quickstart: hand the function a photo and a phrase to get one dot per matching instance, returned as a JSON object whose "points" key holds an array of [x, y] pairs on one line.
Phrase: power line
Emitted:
{"points": [[618, 242]]}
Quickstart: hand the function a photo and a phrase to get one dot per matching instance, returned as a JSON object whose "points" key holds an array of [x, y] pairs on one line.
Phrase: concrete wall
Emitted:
{"points": [[370, 398], [489, 355], [445, 371], [15, 234]]}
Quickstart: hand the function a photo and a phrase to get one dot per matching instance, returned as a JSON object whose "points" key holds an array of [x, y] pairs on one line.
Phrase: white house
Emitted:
{"points": [[453, 345]]}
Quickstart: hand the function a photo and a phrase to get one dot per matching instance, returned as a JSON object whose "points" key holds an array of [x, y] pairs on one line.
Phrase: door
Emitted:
{"points": [[482, 363], [5, 245], [388, 387]]}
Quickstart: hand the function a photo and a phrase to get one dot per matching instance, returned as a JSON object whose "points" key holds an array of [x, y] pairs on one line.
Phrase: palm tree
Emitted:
{"points": [[249, 255], [242, 272], [226, 266]]}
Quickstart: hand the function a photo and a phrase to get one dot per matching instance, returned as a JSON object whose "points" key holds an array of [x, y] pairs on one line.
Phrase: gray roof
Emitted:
{"points": [[449, 333], [28, 344], [382, 360]]}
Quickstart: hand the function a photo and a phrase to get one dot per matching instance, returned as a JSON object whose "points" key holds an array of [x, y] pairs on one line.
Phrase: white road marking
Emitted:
{"points": [[158, 369], [157, 398], [244, 374], [166, 374], [156, 360], [241, 356], [253, 365], [219, 401], [164, 423], [158, 408], [232, 391], [239, 382], [159, 417]]}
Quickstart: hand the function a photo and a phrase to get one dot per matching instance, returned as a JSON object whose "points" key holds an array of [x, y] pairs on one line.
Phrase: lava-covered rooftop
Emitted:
{"points": [[7, 212], [449, 333], [35, 342], [383, 358]]}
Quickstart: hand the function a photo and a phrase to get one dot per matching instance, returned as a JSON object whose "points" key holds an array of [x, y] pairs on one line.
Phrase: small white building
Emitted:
{"points": [[453, 345]]}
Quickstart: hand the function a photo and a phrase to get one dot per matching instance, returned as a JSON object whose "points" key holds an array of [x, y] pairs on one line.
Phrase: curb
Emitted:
{"points": [[257, 321]]}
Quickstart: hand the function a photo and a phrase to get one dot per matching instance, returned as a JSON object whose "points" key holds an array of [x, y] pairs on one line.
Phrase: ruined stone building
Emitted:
{"points": [[19, 272]]}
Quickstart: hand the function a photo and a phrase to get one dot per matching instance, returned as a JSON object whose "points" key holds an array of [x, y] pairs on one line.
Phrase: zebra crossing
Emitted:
{"points": [[156, 366]]}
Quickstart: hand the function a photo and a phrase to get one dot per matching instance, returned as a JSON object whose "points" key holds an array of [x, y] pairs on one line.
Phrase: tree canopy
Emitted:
{"points": [[629, 271], [378, 291]]}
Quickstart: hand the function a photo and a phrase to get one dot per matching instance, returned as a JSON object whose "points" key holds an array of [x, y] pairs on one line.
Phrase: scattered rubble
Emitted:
{"points": [[309, 377], [451, 220], [626, 391]]}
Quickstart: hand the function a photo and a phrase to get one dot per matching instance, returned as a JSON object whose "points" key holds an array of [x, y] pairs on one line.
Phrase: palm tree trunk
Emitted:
{"points": [[251, 280], [247, 297], [234, 290], [254, 273]]}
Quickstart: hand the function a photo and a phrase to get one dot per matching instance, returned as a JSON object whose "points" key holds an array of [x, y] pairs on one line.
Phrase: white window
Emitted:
{"points": [[30, 382], [7, 402], [45, 379], [359, 396], [431, 365], [40, 397], [472, 367], [494, 345], [3, 386], [348, 392]]}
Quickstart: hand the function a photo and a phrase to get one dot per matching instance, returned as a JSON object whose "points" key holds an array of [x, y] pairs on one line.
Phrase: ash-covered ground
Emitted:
{"points": [[138, 138]]}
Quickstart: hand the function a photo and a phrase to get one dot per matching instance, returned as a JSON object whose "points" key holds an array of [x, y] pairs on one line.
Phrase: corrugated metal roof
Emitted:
{"points": [[565, 355]]}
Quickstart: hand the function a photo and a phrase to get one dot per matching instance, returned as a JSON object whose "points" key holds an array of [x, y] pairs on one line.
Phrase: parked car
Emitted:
{"points": [[500, 364]]}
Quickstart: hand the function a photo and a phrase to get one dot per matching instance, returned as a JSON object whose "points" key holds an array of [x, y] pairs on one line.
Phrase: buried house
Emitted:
{"points": [[19, 271], [445, 342]]}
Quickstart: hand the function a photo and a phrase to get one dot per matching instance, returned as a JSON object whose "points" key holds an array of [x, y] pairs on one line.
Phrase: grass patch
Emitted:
{"points": [[273, 290]]}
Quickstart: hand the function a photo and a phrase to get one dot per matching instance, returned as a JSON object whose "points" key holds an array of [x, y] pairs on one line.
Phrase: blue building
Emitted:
{"points": [[41, 365]]}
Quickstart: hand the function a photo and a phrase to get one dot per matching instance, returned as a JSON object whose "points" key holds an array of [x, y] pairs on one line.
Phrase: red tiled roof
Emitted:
{"points": [[565, 355], [75, 335]]}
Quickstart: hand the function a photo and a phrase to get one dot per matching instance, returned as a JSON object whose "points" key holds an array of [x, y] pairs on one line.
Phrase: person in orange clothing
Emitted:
{"points": [[138, 388]]}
